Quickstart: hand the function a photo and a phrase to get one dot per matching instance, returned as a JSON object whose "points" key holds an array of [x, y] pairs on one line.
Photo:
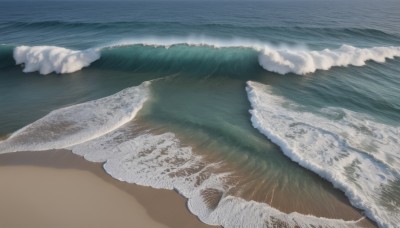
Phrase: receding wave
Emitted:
{"points": [[175, 54], [78, 123], [355, 153], [160, 161], [102, 131]]}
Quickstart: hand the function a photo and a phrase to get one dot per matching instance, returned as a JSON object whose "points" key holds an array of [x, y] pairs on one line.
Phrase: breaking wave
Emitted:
{"points": [[355, 153], [304, 62], [207, 53], [48, 59]]}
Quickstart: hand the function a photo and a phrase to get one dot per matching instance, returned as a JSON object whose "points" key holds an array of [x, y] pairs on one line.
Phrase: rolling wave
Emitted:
{"points": [[187, 53]]}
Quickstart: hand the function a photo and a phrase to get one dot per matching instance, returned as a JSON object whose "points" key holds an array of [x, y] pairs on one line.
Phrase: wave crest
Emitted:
{"points": [[303, 62], [281, 60], [48, 59]]}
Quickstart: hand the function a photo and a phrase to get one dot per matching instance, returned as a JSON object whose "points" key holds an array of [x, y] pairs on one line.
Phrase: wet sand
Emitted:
{"points": [[60, 189]]}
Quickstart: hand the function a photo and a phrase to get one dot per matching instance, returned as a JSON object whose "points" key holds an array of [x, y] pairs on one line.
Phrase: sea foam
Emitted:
{"points": [[48, 59], [306, 61], [161, 161], [79, 123], [351, 150]]}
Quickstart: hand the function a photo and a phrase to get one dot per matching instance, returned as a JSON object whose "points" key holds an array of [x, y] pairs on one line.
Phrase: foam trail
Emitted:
{"points": [[160, 161], [78, 123], [355, 153], [48, 59]]}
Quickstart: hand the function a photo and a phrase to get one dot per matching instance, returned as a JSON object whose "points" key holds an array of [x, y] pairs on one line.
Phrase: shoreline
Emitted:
{"points": [[85, 186], [57, 187]]}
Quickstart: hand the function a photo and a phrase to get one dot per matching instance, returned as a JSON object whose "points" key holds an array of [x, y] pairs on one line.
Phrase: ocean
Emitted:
{"points": [[261, 114]]}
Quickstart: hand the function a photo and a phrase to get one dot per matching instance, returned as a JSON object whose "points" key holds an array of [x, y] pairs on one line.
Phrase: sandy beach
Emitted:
{"points": [[60, 189]]}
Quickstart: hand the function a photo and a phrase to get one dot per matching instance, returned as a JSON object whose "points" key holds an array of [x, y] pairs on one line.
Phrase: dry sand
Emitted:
{"points": [[60, 189]]}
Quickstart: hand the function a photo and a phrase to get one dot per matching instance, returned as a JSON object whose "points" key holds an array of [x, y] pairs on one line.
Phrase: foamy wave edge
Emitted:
{"points": [[159, 161], [281, 60], [79, 123], [337, 150]]}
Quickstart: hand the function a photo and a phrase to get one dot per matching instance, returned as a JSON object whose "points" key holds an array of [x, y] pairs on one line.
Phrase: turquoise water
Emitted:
{"points": [[199, 57]]}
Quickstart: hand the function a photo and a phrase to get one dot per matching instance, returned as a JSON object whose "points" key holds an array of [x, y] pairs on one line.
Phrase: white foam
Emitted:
{"points": [[355, 153], [306, 61], [79, 123], [168, 42], [101, 148], [160, 161], [48, 59]]}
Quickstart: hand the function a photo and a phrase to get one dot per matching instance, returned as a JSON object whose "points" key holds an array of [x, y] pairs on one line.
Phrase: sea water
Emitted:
{"points": [[259, 113]]}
